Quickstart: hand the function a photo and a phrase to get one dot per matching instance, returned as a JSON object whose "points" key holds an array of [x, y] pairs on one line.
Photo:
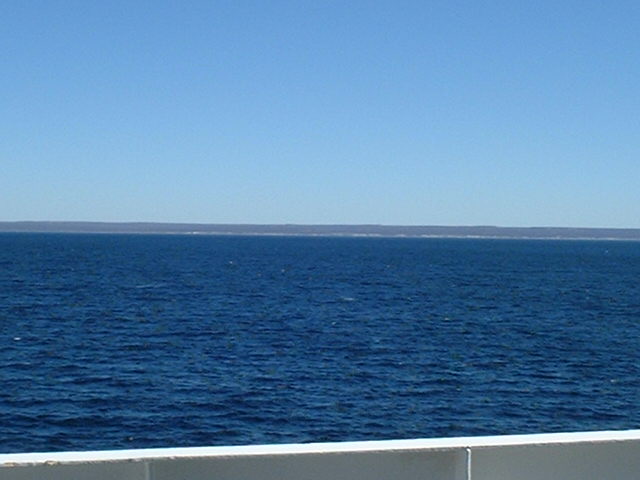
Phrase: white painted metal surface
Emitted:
{"points": [[563, 456]]}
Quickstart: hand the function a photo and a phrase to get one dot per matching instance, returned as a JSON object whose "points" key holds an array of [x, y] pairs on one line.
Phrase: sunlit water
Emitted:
{"points": [[124, 341]]}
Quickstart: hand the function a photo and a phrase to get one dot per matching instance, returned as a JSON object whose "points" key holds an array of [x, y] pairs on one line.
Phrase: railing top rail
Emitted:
{"points": [[319, 448]]}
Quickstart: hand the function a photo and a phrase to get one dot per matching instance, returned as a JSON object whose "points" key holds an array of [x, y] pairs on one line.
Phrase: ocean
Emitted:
{"points": [[138, 341]]}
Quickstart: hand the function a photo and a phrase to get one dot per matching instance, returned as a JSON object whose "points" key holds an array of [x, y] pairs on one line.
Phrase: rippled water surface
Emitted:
{"points": [[118, 341]]}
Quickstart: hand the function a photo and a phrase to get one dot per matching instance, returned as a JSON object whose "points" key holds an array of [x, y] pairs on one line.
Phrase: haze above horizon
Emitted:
{"points": [[400, 113]]}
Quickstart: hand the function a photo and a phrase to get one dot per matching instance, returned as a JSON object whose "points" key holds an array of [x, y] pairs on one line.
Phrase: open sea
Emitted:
{"points": [[135, 341]]}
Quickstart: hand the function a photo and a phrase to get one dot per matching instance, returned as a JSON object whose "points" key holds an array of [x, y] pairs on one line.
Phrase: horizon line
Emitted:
{"points": [[293, 224]]}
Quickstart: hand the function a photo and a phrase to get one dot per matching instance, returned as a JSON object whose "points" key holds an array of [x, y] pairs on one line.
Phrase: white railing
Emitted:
{"points": [[561, 456]]}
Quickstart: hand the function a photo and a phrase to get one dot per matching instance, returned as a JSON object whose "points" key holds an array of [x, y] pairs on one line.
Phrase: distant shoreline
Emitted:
{"points": [[372, 231]]}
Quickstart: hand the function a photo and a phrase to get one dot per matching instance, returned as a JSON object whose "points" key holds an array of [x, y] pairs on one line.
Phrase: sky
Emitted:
{"points": [[508, 113]]}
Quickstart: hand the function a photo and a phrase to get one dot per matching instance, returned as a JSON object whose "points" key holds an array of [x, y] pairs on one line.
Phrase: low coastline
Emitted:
{"points": [[374, 231]]}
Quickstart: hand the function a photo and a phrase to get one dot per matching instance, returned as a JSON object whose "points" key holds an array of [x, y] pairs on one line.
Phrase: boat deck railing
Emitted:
{"points": [[563, 456]]}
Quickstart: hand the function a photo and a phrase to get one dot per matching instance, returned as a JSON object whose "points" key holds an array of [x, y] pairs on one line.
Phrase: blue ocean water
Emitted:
{"points": [[131, 341]]}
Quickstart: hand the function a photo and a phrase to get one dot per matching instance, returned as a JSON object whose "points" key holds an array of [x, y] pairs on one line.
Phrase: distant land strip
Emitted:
{"points": [[325, 230]]}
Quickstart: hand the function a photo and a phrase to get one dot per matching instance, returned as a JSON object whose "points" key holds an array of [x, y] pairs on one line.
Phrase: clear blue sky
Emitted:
{"points": [[511, 113]]}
